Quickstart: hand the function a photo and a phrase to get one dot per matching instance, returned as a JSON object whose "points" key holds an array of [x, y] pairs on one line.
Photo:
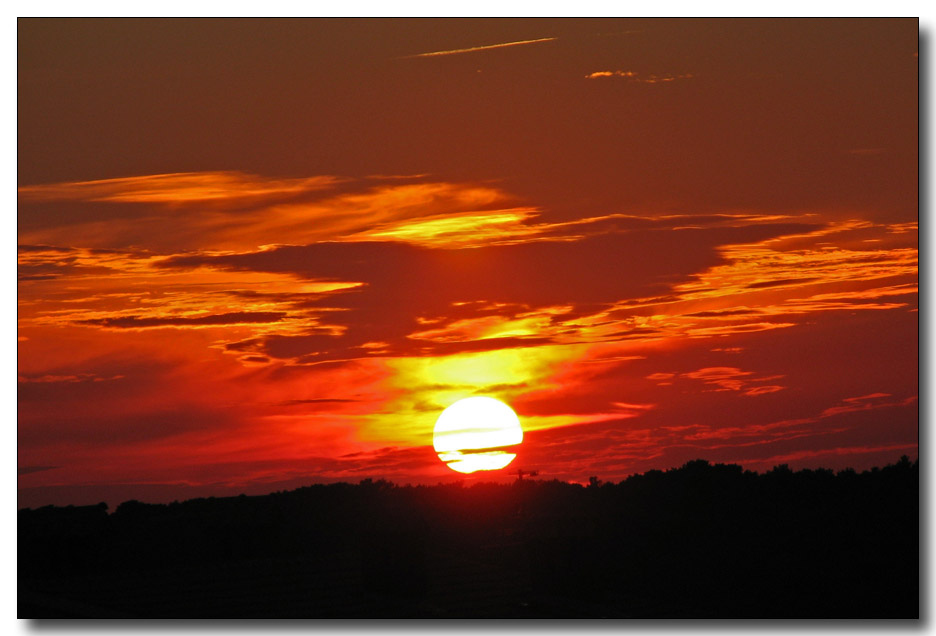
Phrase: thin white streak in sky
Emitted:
{"points": [[478, 48]]}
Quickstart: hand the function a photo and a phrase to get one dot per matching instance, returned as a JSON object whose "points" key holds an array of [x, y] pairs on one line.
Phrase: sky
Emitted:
{"points": [[258, 254]]}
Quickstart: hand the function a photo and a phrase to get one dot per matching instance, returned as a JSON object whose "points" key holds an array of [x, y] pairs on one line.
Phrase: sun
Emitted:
{"points": [[477, 433]]}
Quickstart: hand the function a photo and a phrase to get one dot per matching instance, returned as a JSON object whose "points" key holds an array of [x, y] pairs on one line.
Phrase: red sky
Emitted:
{"points": [[256, 254]]}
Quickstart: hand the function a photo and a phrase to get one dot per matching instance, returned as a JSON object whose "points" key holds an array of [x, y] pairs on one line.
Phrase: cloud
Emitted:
{"points": [[860, 403], [412, 295], [236, 211], [332, 302], [475, 49], [113, 428], [738, 296], [180, 188], [721, 313], [727, 378], [317, 401], [763, 434], [400, 298], [783, 282], [626, 407], [112, 289], [42, 248], [258, 212], [468, 229], [760, 390], [25, 470], [232, 318], [633, 76], [734, 379], [826, 453], [488, 327], [74, 377]]}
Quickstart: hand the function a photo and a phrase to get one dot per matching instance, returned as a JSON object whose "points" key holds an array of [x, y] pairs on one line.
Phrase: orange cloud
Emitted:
{"points": [[466, 229], [488, 327], [633, 76], [397, 300], [767, 265], [179, 188], [225, 211], [237, 211], [113, 290], [734, 379], [860, 403]]}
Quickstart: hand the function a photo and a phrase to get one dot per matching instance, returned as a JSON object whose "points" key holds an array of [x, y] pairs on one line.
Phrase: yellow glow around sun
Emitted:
{"points": [[472, 434]]}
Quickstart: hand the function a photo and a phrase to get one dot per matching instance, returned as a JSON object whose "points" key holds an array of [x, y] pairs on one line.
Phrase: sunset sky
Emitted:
{"points": [[258, 254]]}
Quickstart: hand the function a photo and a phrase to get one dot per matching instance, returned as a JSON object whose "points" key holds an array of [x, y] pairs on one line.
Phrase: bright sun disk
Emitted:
{"points": [[475, 434]]}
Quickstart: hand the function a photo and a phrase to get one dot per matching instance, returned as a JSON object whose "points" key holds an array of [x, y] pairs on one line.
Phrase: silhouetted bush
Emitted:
{"points": [[701, 540]]}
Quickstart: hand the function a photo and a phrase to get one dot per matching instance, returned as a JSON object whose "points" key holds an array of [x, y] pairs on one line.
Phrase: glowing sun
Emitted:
{"points": [[476, 433]]}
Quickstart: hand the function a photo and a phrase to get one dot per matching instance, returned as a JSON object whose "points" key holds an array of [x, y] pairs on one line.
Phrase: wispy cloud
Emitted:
{"points": [[177, 188], [214, 210], [206, 320], [75, 377], [475, 49], [458, 230], [357, 314], [633, 76], [25, 470], [734, 379], [826, 453]]}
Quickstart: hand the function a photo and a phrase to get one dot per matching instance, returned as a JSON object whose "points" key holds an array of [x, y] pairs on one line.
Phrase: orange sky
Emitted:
{"points": [[255, 254]]}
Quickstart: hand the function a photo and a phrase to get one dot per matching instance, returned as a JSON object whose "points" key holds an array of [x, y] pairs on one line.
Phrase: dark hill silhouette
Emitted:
{"points": [[701, 540]]}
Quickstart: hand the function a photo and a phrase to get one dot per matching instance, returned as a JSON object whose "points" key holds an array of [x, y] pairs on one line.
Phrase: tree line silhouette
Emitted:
{"points": [[701, 540]]}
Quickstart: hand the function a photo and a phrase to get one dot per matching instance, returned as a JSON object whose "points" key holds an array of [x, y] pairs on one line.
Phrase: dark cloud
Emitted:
{"points": [[25, 249], [783, 281], [724, 312], [403, 282], [116, 428], [317, 401], [25, 470], [138, 322], [120, 410]]}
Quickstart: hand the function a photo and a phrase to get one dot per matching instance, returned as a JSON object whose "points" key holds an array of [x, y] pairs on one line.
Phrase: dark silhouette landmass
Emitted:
{"points": [[700, 541]]}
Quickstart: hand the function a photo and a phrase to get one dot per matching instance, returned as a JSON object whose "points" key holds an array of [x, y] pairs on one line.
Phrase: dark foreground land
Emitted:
{"points": [[698, 541]]}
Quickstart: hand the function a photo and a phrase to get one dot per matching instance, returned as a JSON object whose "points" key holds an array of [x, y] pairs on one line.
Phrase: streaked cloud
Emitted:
{"points": [[823, 455], [467, 229], [474, 49], [633, 76], [231, 211], [25, 470], [231, 318], [734, 379], [357, 314], [180, 188], [824, 424], [75, 377], [859, 403]]}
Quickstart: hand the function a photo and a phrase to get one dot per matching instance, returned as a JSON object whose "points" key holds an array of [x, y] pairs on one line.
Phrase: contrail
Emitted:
{"points": [[478, 48]]}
